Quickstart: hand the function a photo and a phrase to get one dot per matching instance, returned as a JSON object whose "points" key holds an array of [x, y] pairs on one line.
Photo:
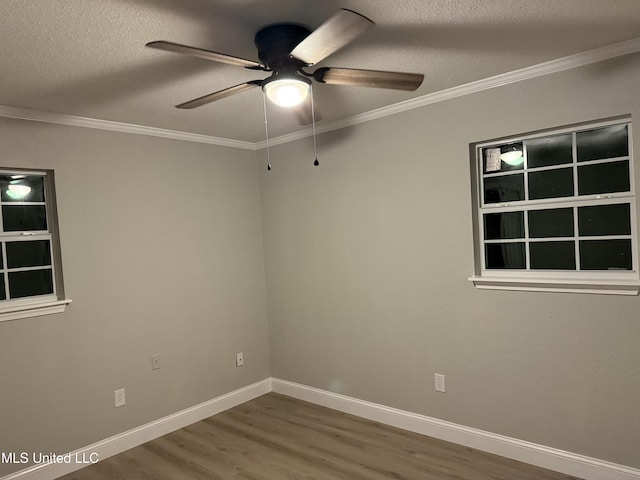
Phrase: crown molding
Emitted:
{"points": [[541, 69], [62, 119], [546, 68]]}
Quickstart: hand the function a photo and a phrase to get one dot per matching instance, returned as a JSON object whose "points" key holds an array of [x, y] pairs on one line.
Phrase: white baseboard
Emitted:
{"points": [[144, 433], [531, 453], [540, 455]]}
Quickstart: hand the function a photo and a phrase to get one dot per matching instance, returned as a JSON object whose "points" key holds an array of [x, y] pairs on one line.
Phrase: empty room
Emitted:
{"points": [[285, 239]]}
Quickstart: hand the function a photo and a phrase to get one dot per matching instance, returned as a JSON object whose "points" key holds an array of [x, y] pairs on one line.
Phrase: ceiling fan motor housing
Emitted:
{"points": [[275, 43]]}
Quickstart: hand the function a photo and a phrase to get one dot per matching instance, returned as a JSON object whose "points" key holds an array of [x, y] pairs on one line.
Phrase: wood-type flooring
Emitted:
{"points": [[275, 437]]}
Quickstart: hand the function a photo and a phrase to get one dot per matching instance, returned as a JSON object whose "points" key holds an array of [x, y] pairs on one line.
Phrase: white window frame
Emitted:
{"points": [[24, 307], [625, 282]]}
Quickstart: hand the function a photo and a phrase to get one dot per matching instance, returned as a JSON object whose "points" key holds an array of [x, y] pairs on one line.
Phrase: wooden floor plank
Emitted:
{"points": [[275, 437]]}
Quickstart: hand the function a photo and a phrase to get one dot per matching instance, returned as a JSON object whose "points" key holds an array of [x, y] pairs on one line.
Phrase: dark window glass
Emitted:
{"points": [[3, 295], [604, 220], [543, 152], [21, 188], [551, 184], [1, 259], [554, 222], [503, 225], [601, 143], [28, 253], [552, 255], [603, 178], [605, 255], [492, 158], [504, 255], [504, 188], [24, 218], [29, 283]]}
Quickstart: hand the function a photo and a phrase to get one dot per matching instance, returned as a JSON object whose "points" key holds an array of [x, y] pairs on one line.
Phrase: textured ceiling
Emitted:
{"points": [[87, 57]]}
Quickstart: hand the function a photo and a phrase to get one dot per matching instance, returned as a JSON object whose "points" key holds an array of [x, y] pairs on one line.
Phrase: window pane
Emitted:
{"points": [[543, 152], [604, 220], [551, 184], [601, 143], [552, 255], [503, 225], [3, 295], [505, 188], [33, 282], [29, 253], [505, 255], [494, 158], [24, 218], [555, 222], [603, 178], [605, 255], [21, 188]]}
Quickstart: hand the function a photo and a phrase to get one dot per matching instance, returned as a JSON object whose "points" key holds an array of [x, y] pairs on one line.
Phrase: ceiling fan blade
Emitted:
{"points": [[331, 36], [369, 78], [206, 54], [212, 97]]}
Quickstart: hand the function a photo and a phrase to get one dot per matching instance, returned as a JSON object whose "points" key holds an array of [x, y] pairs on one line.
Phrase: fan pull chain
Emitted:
{"points": [[313, 126], [266, 131]]}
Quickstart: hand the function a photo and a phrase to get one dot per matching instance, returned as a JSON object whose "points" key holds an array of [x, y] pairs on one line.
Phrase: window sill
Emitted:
{"points": [[16, 312], [602, 287]]}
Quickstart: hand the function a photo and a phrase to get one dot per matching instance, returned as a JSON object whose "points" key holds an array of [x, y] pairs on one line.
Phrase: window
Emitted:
{"points": [[556, 211], [30, 262]]}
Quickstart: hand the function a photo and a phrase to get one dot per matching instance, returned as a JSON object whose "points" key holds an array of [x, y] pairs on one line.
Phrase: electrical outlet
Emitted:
{"points": [[155, 361], [439, 382], [119, 397], [239, 359]]}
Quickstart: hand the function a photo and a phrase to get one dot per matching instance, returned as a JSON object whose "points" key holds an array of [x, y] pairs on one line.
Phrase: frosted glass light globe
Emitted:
{"points": [[287, 92]]}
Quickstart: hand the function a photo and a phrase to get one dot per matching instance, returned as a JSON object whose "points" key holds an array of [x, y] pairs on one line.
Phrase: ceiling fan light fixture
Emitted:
{"points": [[287, 91], [512, 154], [17, 191]]}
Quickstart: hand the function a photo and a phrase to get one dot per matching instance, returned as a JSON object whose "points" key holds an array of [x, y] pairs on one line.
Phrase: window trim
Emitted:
{"points": [[602, 287], [46, 304], [594, 282], [26, 310]]}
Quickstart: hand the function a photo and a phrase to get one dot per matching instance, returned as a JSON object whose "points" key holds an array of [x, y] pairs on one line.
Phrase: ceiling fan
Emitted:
{"points": [[286, 49]]}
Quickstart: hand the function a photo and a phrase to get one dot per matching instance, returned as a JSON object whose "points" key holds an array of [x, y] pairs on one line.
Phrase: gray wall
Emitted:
{"points": [[367, 259], [162, 249]]}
